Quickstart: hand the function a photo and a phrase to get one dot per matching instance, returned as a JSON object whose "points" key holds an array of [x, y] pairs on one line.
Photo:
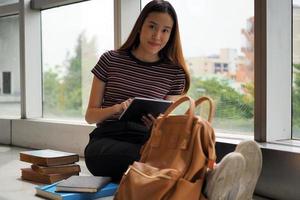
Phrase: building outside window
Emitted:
{"points": [[73, 38], [9, 67], [218, 45]]}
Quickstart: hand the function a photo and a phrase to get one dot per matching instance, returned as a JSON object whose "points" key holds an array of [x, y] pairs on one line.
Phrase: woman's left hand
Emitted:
{"points": [[148, 120]]}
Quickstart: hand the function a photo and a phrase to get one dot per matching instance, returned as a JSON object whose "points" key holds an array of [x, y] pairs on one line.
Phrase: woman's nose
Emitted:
{"points": [[156, 35]]}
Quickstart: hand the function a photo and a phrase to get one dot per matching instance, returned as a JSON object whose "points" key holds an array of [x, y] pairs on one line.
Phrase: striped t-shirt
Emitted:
{"points": [[126, 77]]}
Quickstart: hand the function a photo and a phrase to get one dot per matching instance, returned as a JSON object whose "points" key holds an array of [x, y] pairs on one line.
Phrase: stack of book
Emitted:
{"points": [[49, 166]]}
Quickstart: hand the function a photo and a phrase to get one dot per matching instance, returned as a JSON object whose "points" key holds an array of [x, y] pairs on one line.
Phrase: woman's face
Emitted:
{"points": [[155, 33]]}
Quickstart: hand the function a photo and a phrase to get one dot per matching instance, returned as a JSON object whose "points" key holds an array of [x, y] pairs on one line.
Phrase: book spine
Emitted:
{"points": [[32, 159], [62, 160], [56, 169], [49, 161]]}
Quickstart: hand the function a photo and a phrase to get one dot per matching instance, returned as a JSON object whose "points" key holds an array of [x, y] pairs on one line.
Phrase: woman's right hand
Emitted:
{"points": [[119, 108]]}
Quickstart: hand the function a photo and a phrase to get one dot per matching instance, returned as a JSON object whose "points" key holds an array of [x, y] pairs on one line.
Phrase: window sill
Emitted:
{"points": [[292, 146], [60, 121]]}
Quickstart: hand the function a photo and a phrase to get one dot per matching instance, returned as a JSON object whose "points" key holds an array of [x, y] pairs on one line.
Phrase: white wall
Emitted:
{"points": [[53, 135]]}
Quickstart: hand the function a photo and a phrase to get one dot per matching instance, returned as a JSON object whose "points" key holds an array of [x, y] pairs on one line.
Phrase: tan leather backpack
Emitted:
{"points": [[175, 158]]}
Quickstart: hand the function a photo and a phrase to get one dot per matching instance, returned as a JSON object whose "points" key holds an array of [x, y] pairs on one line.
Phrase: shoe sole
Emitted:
{"points": [[253, 157], [227, 174]]}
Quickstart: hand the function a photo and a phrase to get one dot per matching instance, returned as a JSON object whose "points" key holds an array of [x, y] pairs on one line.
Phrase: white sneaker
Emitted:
{"points": [[253, 157], [226, 175]]}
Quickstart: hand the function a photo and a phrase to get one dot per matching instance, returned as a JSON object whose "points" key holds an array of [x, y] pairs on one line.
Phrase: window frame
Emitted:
{"points": [[30, 61], [10, 9], [273, 115], [46, 4]]}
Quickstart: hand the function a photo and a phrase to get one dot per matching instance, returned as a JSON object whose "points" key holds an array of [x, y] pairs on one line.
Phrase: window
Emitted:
{"points": [[73, 38], [296, 69], [217, 68], [6, 2], [218, 40], [9, 66], [225, 67], [6, 84]]}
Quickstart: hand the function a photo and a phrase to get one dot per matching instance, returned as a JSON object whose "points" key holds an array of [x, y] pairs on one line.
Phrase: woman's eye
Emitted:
{"points": [[151, 26], [166, 30]]}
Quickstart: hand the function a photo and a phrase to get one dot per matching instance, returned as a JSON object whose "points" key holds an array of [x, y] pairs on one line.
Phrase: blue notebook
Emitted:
{"points": [[48, 191]]}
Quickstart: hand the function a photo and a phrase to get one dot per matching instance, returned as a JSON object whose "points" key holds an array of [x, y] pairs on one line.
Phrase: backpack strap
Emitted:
{"points": [[208, 144], [208, 139], [211, 113]]}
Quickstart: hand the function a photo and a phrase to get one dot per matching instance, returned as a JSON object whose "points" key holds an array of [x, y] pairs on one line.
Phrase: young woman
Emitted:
{"points": [[149, 64]]}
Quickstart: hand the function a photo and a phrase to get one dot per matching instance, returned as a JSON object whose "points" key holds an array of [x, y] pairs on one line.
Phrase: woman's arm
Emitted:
{"points": [[173, 97], [94, 112]]}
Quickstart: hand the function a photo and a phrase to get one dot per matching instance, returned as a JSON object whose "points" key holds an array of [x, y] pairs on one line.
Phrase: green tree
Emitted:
{"points": [[296, 98], [229, 102], [51, 90], [72, 80], [234, 109], [63, 92]]}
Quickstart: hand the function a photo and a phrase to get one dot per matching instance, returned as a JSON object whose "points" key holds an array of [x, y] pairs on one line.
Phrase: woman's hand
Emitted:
{"points": [[148, 120], [119, 108]]}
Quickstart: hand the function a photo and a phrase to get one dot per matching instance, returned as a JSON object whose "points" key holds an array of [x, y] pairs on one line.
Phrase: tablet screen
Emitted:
{"points": [[143, 106]]}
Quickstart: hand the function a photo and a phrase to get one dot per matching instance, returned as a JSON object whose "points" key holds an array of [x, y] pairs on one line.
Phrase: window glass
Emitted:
{"points": [[6, 80], [73, 38], [9, 67], [6, 2], [218, 45], [296, 69]]}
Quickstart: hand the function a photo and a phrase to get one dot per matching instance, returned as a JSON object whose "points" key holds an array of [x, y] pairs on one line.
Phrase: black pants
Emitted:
{"points": [[113, 147]]}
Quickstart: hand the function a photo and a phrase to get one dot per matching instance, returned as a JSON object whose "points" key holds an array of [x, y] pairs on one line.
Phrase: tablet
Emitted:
{"points": [[143, 106]]}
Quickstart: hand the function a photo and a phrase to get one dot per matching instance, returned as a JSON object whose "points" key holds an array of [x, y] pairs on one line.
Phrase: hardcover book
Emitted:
{"points": [[59, 169], [82, 184], [143, 106], [31, 175], [48, 191], [48, 157]]}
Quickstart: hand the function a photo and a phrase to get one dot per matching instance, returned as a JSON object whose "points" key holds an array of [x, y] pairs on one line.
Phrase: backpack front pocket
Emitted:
{"points": [[142, 181]]}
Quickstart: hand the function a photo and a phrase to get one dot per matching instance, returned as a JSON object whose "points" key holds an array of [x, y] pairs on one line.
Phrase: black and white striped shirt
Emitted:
{"points": [[126, 77]]}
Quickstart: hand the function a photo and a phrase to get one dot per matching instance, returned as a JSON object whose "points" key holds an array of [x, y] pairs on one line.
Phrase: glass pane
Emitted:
{"points": [[218, 39], [73, 38], [296, 69], [6, 2], [9, 67]]}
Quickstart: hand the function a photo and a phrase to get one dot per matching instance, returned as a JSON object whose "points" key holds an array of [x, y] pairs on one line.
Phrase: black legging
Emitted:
{"points": [[111, 154]]}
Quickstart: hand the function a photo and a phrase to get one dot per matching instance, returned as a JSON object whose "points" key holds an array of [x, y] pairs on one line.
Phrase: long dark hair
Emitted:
{"points": [[173, 49]]}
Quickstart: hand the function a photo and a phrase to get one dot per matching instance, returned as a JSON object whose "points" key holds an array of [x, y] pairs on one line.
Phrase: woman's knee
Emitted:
{"points": [[109, 165], [109, 157], [108, 146]]}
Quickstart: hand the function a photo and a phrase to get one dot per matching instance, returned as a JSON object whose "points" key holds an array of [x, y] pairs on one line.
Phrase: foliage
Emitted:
{"points": [[229, 102], [63, 92], [296, 97], [72, 80], [51, 89]]}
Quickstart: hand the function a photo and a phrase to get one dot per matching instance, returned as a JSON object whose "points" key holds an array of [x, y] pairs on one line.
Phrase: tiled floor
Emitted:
{"points": [[11, 186]]}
